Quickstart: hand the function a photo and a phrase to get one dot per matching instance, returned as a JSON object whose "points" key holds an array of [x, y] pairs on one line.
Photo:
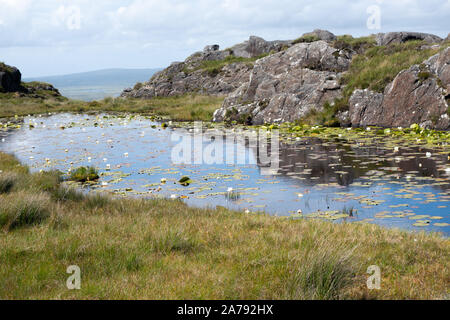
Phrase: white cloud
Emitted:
{"points": [[172, 29]]}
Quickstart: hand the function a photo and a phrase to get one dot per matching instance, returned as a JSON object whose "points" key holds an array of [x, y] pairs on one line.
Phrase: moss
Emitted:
{"points": [[423, 75]]}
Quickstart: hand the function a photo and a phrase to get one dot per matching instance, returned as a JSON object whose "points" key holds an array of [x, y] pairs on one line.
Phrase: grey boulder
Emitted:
{"points": [[384, 39], [321, 35]]}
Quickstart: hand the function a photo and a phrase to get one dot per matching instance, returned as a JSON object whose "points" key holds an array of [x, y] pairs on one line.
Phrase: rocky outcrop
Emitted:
{"points": [[198, 73], [256, 46], [384, 39], [287, 85], [319, 34], [10, 78], [10, 81], [419, 95]]}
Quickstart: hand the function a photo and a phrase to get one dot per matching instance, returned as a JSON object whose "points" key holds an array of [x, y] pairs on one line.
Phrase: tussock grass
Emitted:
{"points": [[21, 209], [323, 273], [7, 181], [190, 107], [162, 249]]}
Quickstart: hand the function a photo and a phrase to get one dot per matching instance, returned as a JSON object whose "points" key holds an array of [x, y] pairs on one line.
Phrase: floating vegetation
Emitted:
{"points": [[185, 181], [84, 174]]}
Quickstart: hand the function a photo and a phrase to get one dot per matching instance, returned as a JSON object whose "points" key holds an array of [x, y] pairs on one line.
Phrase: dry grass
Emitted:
{"points": [[162, 249], [184, 108]]}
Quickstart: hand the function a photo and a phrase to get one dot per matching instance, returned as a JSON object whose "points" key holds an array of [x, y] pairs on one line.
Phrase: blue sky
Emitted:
{"points": [[49, 37]]}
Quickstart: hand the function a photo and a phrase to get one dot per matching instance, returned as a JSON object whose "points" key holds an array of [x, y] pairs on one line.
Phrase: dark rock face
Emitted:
{"points": [[10, 78], [384, 39], [324, 35], [188, 76], [287, 85], [416, 95], [10, 81]]}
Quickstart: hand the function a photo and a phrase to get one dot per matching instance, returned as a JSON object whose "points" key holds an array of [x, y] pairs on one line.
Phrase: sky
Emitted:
{"points": [[52, 37]]}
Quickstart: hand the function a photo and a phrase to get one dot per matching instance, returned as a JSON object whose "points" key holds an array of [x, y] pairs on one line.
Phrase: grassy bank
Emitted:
{"points": [[185, 108], [162, 249]]}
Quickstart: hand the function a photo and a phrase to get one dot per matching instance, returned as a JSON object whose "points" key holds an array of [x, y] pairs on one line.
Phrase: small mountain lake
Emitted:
{"points": [[407, 187]]}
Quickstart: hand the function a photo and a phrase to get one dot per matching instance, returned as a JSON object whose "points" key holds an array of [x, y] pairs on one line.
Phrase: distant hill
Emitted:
{"points": [[95, 85]]}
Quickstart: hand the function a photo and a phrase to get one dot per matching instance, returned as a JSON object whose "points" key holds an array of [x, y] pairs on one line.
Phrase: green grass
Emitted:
{"points": [[189, 107], [162, 249]]}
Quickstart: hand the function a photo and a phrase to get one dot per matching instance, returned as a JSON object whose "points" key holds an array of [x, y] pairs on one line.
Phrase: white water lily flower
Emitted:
{"points": [[173, 196], [126, 154], [300, 195], [3, 140], [105, 159], [230, 189], [89, 159], [396, 149], [108, 167], [247, 211], [368, 129], [31, 157], [447, 170], [104, 184], [428, 154]]}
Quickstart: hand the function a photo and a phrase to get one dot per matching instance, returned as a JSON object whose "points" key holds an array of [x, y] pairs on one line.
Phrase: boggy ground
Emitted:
{"points": [[162, 249]]}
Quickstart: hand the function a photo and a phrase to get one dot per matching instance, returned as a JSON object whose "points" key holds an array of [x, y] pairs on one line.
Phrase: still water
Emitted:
{"points": [[407, 188]]}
